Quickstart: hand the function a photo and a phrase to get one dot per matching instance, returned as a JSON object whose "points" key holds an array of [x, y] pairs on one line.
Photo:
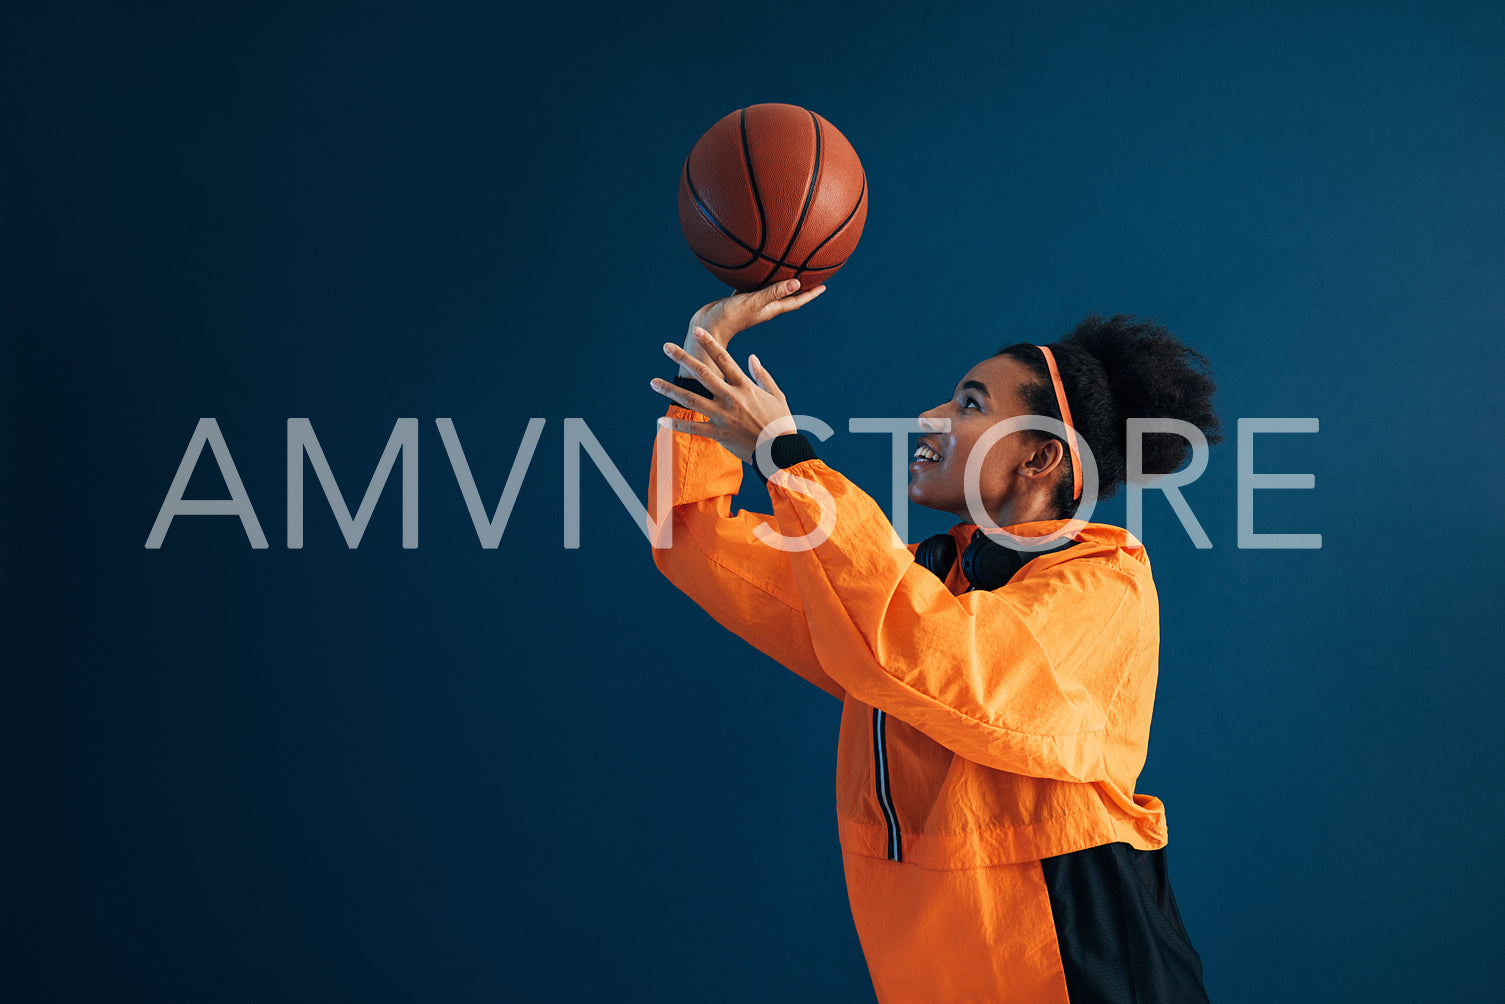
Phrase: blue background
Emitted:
{"points": [[534, 773]]}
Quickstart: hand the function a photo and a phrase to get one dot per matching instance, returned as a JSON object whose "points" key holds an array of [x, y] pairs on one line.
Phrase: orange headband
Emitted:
{"points": [[1076, 460]]}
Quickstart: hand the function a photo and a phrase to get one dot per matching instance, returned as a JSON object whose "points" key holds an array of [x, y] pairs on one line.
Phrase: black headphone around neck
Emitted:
{"points": [[986, 563]]}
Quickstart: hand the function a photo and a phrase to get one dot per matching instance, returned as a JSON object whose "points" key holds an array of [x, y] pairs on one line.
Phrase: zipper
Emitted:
{"points": [[880, 775], [880, 772]]}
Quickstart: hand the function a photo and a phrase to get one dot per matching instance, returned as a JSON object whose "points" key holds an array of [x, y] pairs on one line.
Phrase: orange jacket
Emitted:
{"points": [[1018, 717]]}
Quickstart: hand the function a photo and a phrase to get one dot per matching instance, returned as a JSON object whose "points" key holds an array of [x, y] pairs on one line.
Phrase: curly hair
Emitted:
{"points": [[1113, 370]]}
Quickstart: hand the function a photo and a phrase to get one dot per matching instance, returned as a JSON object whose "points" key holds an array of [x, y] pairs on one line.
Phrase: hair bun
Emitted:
{"points": [[1151, 373]]}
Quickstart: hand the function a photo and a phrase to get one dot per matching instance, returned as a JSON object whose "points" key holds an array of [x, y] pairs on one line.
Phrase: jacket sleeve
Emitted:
{"points": [[718, 561], [1020, 678]]}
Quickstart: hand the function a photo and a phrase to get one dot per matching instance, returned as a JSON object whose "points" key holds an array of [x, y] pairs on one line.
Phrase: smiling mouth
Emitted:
{"points": [[925, 454]]}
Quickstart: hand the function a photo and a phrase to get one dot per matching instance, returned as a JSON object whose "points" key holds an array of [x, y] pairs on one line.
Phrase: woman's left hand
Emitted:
{"points": [[743, 409]]}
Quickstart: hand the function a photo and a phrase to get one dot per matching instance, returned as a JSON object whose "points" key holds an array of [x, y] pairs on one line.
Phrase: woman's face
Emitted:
{"points": [[1020, 470]]}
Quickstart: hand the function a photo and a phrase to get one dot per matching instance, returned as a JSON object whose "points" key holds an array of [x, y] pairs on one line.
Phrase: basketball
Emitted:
{"points": [[772, 192]]}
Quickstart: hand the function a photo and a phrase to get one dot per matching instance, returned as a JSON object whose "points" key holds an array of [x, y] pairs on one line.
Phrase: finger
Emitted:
{"points": [[755, 298], [795, 302], [681, 396], [764, 378], [731, 372], [779, 290], [759, 300], [704, 372]]}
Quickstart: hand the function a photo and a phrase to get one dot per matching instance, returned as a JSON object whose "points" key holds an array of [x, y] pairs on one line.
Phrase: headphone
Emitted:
{"points": [[986, 563]]}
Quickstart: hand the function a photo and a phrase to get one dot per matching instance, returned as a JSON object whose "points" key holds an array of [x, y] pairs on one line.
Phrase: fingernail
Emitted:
{"points": [[702, 334], [668, 348], [752, 360], [794, 284], [655, 383]]}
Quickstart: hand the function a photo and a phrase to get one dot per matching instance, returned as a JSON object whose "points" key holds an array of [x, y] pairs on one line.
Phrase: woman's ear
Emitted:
{"points": [[1045, 458]]}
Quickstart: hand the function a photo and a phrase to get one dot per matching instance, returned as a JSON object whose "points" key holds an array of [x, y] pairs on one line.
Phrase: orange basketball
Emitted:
{"points": [[772, 192]]}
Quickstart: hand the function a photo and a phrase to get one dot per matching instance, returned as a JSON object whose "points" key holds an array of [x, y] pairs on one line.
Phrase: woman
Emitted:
{"points": [[993, 726]]}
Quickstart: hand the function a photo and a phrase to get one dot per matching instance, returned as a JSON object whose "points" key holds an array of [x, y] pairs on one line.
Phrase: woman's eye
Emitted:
{"points": [[970, 402]]}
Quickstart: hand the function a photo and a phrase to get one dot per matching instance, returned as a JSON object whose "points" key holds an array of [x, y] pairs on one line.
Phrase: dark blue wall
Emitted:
{"points": [[456, 774]]}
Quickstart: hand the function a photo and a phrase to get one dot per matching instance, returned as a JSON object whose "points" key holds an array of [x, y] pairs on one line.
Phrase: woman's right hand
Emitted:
{"points": [[725, 317]]}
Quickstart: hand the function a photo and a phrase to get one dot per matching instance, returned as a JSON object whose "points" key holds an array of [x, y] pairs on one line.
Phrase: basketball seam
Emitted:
{"points": [[805, 265], [764, 257], [805, 209], [752, 179], [710, 217]]}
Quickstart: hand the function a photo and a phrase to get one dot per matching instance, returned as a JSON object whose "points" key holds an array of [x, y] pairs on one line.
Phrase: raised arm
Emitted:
{"points": [[717, 560], [1024, 678]]}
